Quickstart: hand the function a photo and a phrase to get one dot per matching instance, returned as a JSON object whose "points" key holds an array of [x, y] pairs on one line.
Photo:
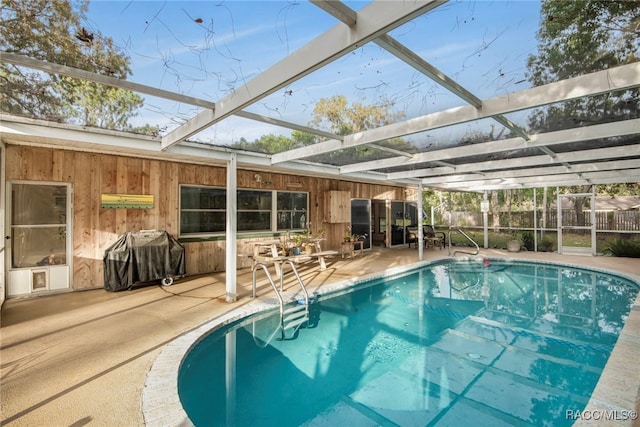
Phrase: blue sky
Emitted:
{"points": [[207, 48]]}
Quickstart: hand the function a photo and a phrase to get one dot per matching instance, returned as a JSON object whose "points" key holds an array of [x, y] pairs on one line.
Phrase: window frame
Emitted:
{"points": [[273, 212], [291, 211], [256, 210], [181, 210]]}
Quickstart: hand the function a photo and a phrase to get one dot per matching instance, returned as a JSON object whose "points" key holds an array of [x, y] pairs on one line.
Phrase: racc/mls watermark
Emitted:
{"points": [[602, 414]]}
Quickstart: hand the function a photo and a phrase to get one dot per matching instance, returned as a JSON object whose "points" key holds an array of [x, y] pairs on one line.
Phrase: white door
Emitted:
{"points": [[3, 220], [576, 236], [38, 243]]}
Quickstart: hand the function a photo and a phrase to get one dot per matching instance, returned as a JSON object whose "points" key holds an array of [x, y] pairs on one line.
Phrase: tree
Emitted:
{"points": [[268, 144], [52, 31], [337, 116], [580, 37], [334, 115]]}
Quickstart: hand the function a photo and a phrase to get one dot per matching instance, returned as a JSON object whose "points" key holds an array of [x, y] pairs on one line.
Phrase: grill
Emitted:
{"points": [[142, 257]]}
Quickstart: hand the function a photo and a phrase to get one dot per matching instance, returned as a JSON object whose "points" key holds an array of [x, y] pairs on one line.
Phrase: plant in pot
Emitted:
{"points": [[347, 234], [298, 241], [303, 240], [514, 243], [312, 240]]}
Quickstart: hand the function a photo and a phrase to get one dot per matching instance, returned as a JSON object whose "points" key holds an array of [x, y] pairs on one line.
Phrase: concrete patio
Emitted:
{"points": [[82, 358]]}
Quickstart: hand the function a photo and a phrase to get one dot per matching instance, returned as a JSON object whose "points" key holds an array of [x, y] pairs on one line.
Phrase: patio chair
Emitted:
{"points": [[431, 237], [412, 236]]}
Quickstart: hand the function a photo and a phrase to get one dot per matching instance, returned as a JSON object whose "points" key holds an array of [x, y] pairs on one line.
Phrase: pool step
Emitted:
{"points": [[293, 318]]}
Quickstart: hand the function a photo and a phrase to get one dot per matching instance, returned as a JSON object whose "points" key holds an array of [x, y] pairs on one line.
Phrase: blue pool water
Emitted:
{"points": [[483, 343]]}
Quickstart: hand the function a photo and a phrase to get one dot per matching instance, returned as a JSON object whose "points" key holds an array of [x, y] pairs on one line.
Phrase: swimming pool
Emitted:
{"points": [[487, 343]]}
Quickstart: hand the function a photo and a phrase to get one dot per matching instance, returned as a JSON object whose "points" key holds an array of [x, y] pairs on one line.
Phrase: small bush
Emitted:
{"points": [[545, 245], [528, 240], [624, 248]]}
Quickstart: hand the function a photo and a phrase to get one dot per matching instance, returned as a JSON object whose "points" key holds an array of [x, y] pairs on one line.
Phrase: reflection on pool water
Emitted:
{"points": [[455, 343]]}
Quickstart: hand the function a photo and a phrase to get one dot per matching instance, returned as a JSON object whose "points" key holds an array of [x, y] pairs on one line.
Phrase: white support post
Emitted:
{"points": [[592, 212], [420, 229], [232, 229], [535, 220], [485, 219], [559, 224]]}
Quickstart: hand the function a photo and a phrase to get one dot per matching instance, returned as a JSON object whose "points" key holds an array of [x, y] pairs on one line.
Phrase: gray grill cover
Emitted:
{"points": [[142, 256]]}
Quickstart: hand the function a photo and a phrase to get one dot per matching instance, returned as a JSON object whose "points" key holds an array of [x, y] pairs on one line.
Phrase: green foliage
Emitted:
{"points": [[53, 31], [91, 104], [269, 144], [545, 245], [527, 239], [151, 130], [302, 139], [583, 37], [624, 189], [336, 116], [580, 37], [629, 248]]}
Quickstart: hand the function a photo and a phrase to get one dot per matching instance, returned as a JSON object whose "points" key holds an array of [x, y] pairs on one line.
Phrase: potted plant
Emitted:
{"points": [[348, 237], [298, 240], [514, 244], [312, 240]]}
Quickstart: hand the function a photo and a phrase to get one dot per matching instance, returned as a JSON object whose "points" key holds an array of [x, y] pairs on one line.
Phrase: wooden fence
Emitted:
{"points": [[627, 221]]}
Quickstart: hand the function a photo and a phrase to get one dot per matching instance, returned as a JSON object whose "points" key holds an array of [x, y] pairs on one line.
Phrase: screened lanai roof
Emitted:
{"points": [[453, 75]]}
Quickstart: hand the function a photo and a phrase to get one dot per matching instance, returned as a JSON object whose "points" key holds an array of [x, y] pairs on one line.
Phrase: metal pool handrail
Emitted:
{"points": [[291, 318], [461, 231]]}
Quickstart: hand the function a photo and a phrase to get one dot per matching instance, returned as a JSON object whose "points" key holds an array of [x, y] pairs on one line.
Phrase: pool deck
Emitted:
{"points": [[82, 358]]}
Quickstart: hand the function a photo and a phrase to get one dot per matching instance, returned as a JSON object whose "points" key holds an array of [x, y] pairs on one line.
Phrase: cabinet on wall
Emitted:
{"points": [[338, 206]]}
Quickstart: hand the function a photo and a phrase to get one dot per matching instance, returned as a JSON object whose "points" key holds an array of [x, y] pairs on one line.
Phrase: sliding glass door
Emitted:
{"points": [[361, 220]]}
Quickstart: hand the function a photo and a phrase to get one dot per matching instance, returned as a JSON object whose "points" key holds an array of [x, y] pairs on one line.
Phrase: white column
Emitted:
{"points": [[232, 228], [594, 242], [559, 225], [535, 220], [420, 229], [485, 219]]}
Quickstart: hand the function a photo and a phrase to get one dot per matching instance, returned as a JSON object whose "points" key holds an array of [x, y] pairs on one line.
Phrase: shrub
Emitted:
{"points": [[624, 248], [545, 245], [528, 240]]}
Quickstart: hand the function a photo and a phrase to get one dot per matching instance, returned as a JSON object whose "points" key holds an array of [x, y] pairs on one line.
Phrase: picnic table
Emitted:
{"points": [[271, 251]]}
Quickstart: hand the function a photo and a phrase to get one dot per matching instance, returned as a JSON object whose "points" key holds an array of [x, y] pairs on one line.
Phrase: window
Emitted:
{"points": [[292, 210], [203, 210], [254, 210]]}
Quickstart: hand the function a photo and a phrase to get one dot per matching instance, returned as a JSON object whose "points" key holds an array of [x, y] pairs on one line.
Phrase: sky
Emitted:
{"points": [[206, 49]]}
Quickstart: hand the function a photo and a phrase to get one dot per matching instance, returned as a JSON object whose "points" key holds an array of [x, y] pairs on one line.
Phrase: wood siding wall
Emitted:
{"points": [[95, 228]]}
